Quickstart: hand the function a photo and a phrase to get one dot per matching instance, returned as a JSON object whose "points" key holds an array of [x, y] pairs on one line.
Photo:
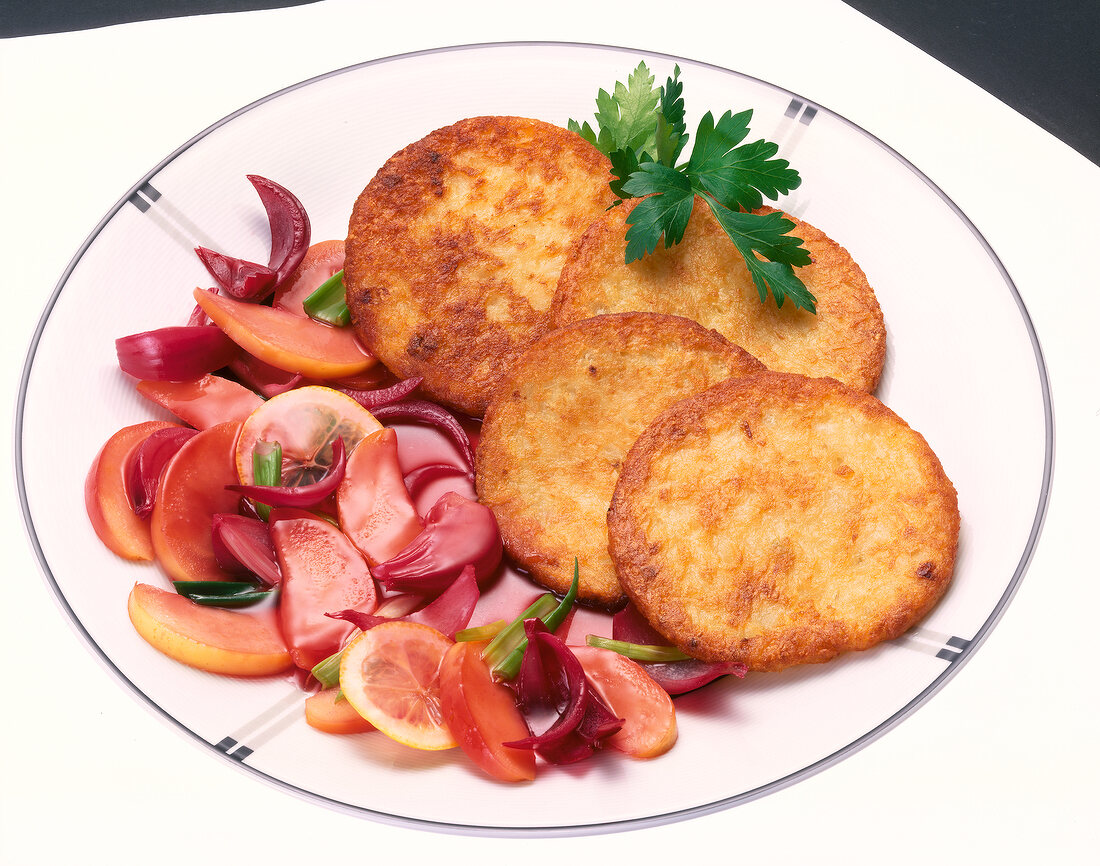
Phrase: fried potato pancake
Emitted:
{"points": [[777, 520], [554, 437], [455, 246], [704, 278]]}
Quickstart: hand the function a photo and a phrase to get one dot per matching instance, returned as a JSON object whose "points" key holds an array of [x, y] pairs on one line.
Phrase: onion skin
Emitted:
{"points": [[373, 399], [176, 353]]}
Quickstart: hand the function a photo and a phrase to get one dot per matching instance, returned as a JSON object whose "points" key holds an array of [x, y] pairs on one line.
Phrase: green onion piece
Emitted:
{"points": [[327, 672], [327, 302], [638, 651], [481, 632], [267, 469], [512, 636], [221, 593], [212, 587], [508, 667], [242, 599]]}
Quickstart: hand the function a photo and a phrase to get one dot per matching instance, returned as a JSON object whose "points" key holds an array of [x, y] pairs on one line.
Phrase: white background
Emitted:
{"points": [[999, 766]]}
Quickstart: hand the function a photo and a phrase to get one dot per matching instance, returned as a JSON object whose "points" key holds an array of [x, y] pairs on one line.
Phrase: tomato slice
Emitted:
{"points": [[204, 402], [372, 501], [322, 572], [482, 714], [649, 727], [322, 260]]}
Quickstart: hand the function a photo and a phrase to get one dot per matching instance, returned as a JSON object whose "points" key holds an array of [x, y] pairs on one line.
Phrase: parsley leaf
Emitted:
{"points": [[642, 131]]}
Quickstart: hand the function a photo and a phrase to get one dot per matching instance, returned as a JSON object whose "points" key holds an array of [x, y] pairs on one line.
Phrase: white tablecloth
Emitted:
{"points": [[999, 767]]}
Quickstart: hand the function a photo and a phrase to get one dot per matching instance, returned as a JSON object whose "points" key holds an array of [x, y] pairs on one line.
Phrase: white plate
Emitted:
{"points": [[963, 367]]}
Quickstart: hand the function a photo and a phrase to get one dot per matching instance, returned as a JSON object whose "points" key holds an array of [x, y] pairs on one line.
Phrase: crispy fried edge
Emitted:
{"points": [[378, 222], [610, 228], [634, 561], [520, 535]]}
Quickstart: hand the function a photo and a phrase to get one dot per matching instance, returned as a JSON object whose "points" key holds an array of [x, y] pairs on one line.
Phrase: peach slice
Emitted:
{"points": [[192, 490], [106, 499], [649, 727], [203, 402], [287, 341], [208, 638]]}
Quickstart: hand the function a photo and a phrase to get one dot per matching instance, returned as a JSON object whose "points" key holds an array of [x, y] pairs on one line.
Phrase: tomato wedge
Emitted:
{"points": [[482, 714], [290, 342], [322, 572]]}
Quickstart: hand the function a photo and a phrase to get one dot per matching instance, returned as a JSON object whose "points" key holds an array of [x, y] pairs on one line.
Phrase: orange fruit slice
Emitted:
{"points": [[304, 421], [390, 674]]}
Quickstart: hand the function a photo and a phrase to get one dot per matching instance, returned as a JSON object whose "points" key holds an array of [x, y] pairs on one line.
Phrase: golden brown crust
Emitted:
{"points": [[557, 431], [778, 520], [455, 247], [704, 278]]}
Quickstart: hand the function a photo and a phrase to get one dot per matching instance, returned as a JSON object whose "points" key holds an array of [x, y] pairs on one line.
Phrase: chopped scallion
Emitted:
{"points": [[637, 651], [327, 302]]}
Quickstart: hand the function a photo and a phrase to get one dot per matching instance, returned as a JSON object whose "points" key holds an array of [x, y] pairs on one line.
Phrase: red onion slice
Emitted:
{"points": [[242, 545], [417, 478], [449, 613], [374, 398], [457, 532], [264, 378], [551, 678], [305, 495], [290, 232], [146, 463], [175, 354], [433, 414]]}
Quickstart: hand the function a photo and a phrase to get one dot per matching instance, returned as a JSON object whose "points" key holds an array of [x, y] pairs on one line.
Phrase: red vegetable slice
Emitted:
{"points": [[202, 402], [457, 532], [146, 464], [450, 612], [433, 414], [176, 353], [678, 677], [266, 378], [372, 399], [305, 495], [417, 478], [242, 545], [290, 229], [551, 679]]}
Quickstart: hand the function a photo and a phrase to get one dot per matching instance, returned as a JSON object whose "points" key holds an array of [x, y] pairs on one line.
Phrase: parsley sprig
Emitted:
{"points": [[642, 130]]}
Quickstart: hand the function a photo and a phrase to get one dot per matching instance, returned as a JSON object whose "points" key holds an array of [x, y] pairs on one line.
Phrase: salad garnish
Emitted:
{"points": [[642, 130]]}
